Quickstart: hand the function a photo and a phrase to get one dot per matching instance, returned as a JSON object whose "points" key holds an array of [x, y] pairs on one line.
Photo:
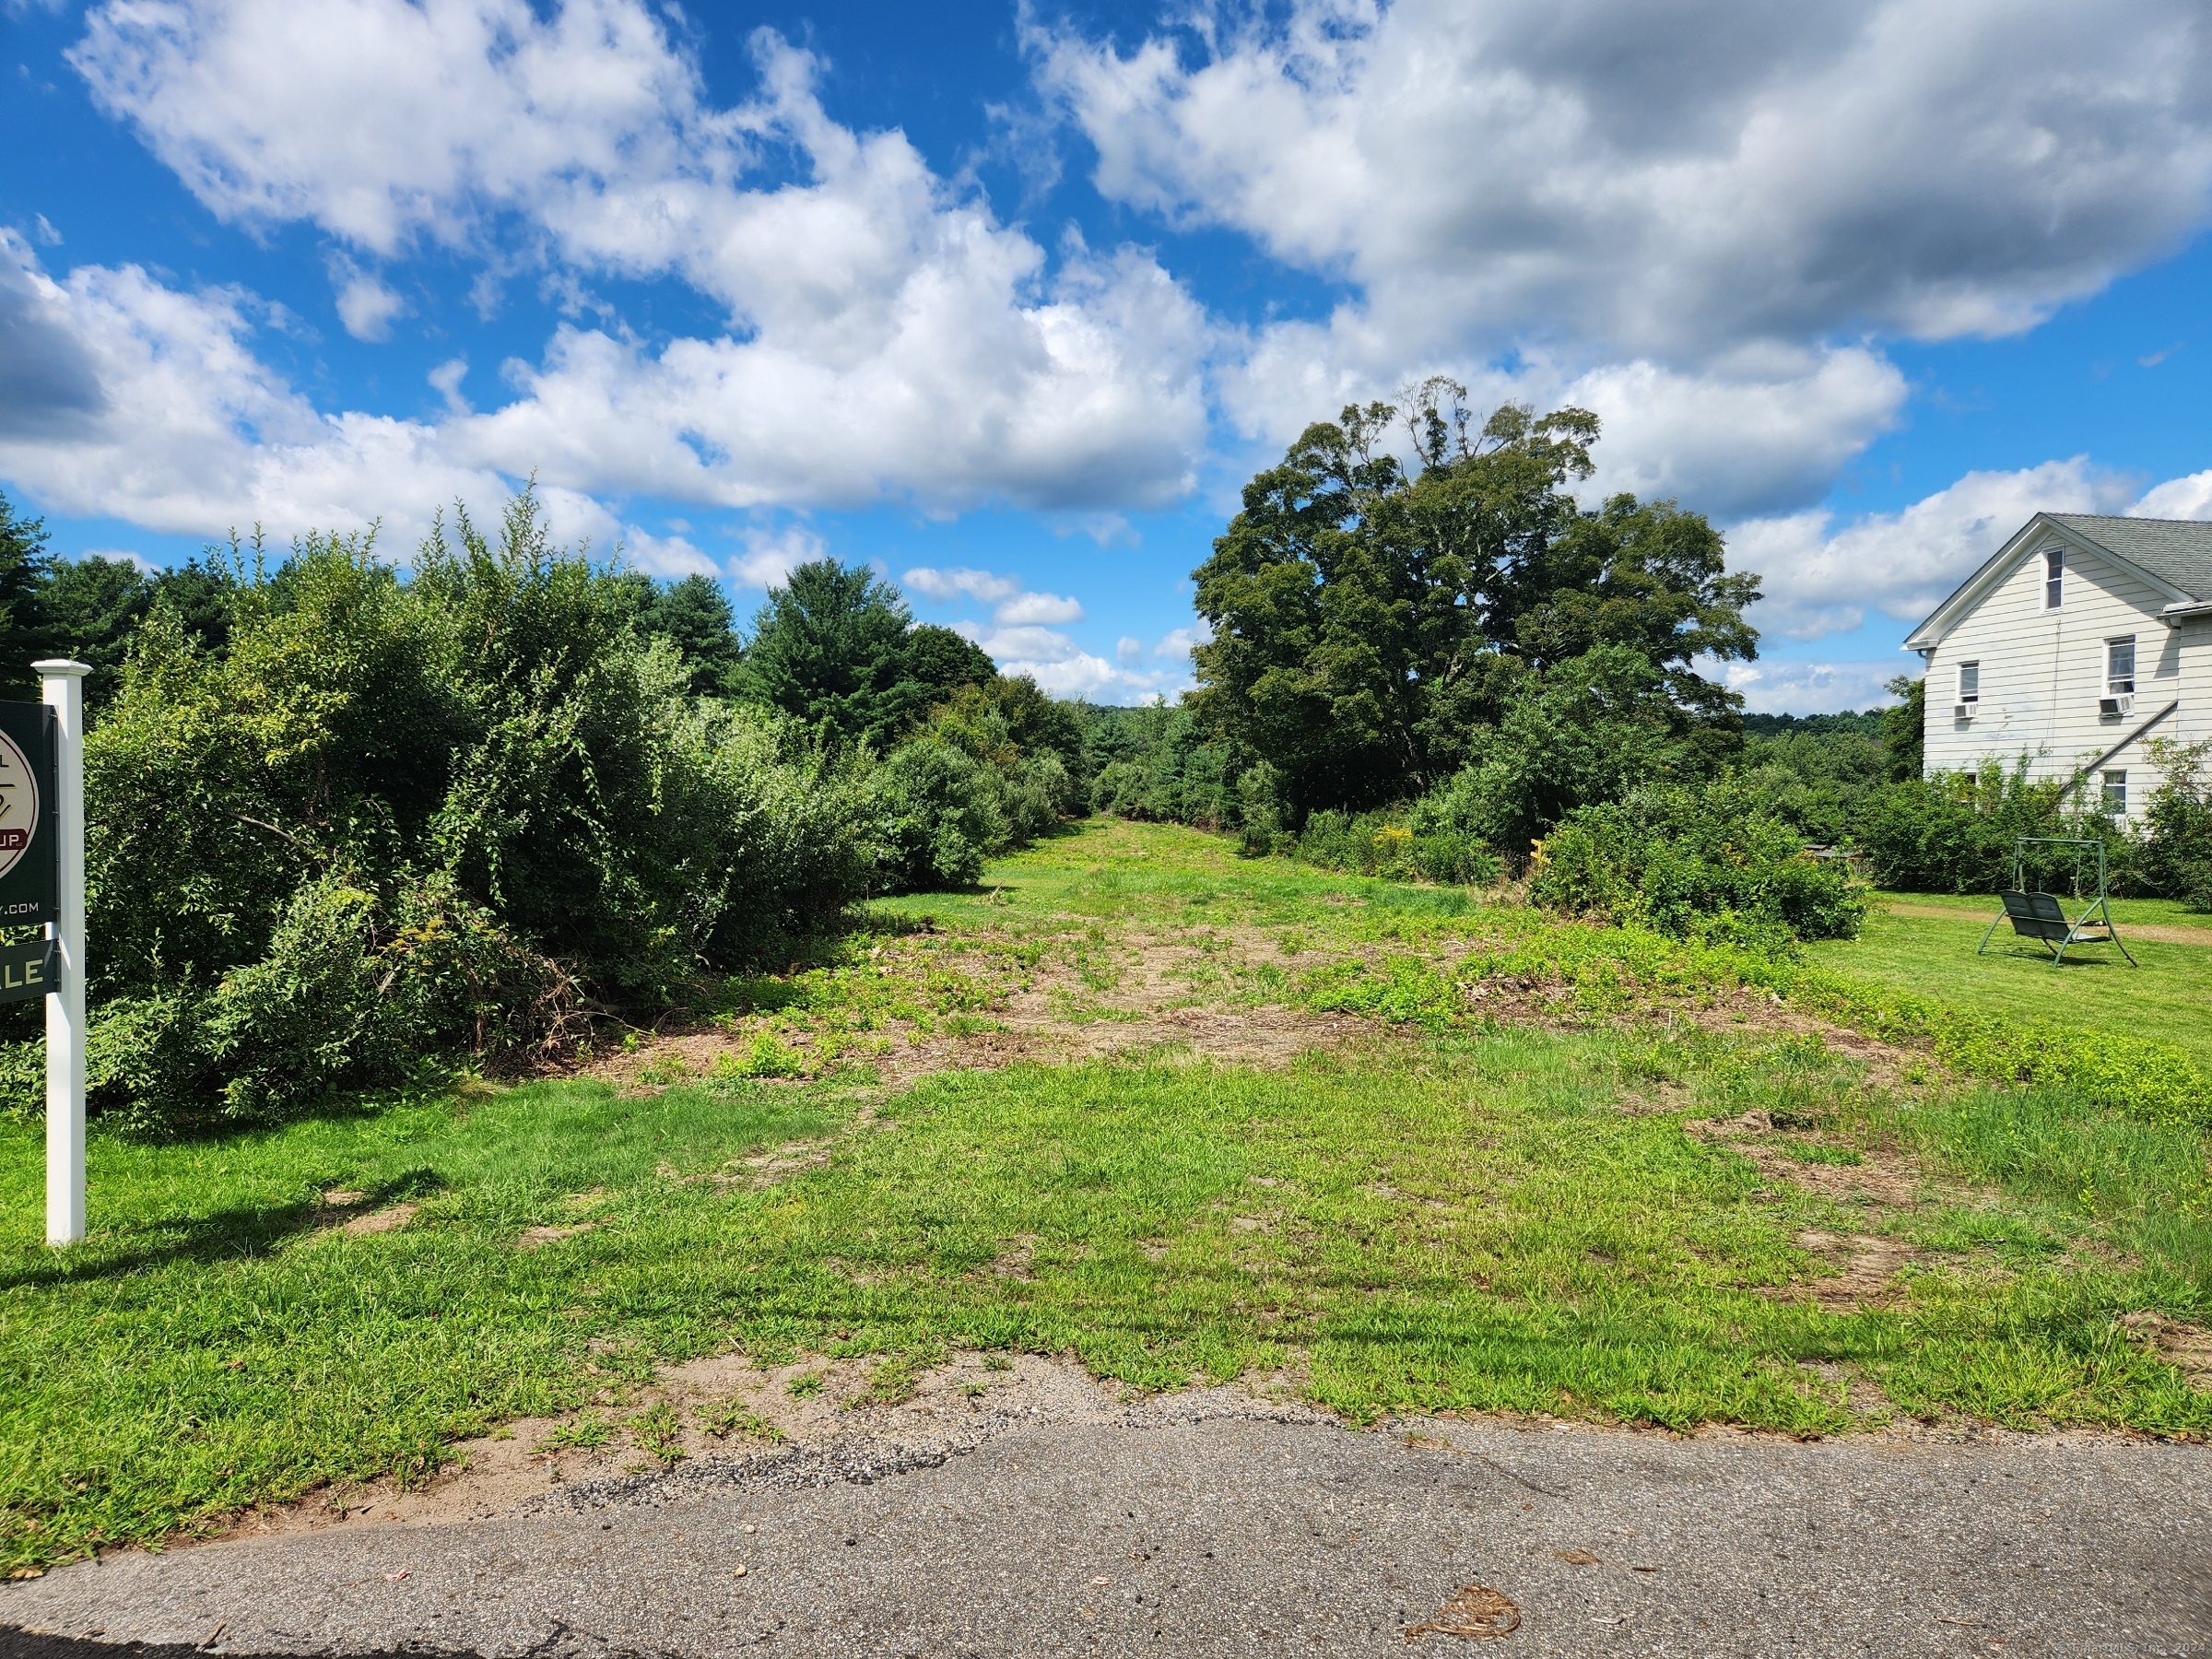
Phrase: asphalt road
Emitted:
{"points": [[1234, 1537]]}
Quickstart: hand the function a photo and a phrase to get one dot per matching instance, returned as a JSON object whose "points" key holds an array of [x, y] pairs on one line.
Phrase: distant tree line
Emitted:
{"points": [[835, 646]]}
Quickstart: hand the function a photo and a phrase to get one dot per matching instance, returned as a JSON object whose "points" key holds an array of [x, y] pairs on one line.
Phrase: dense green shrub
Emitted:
{"points": [[392, 818], [1709, 862], [1591, 729], [1395, 846], [1817, 782], [1954, 832], [937, 816], [988, 773], [2177, 852]]}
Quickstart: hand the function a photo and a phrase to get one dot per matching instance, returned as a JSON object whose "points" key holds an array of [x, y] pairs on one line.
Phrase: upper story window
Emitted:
{"points": [[2120, 667], [2054, 576], [1969, 682]]}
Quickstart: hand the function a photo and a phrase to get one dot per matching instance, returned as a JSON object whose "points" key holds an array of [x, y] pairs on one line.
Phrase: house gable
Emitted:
{"points": [[2028, 541], [2074, 692]]}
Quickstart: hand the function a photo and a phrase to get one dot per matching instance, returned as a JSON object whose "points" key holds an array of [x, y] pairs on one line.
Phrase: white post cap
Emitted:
{"points": [[61, 667]]}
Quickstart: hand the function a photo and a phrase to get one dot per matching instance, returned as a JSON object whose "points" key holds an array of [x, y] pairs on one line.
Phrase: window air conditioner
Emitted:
{"points": [[2121, 704], [1964, 711]]}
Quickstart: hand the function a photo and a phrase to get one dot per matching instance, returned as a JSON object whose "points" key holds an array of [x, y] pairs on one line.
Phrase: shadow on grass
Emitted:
{"points": [[225, 1235], [2041, 958]]}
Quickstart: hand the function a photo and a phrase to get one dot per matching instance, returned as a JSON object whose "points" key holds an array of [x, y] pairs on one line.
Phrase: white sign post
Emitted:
{"points": [[62, 686]]}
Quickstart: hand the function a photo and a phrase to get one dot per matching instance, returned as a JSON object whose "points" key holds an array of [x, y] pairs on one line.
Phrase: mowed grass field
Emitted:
{"points": [[1110, 1104], [1927, 943]]}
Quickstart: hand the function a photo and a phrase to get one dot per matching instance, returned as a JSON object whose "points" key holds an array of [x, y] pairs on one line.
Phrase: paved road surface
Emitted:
{"points": [[1233, 1535]]}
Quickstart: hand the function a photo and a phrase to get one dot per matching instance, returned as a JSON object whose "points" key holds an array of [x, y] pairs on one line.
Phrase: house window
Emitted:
{"points": [[2054, 576], [2115, 792], [2120, 667], [1969, 683]]}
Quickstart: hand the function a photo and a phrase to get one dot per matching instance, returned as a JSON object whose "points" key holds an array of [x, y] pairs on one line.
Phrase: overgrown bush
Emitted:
{"points": [[2177, 852], [1817, 782], [936, 815], [393, 818], [1710, 862], [1397, 847], [1589, 730], [1955, 831]]}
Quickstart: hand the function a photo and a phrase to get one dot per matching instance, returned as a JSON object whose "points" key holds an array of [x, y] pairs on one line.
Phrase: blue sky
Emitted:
{"points": [[1009, 301]]}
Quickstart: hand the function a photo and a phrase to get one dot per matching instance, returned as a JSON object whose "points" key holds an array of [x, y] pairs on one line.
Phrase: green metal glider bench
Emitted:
{"points": [[2040, 917]]}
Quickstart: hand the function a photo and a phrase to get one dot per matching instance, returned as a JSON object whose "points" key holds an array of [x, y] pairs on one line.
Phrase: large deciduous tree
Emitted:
{"points": [[1372, 616]]}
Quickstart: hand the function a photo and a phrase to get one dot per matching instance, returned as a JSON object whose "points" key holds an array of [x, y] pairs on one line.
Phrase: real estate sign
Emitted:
{"points": [[29, 801]]}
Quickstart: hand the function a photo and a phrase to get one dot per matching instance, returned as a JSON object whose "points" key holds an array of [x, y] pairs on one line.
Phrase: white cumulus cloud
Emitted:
{"points": [[1012, 605], [1668, 178], [888, 336], [771, 555], [1698, 220], [1772, 687], [2189, 498], [947, 585], [666, 556], [367, 305], [1177, 645], [1823, 578], [1048, 609], [1065, 669]]}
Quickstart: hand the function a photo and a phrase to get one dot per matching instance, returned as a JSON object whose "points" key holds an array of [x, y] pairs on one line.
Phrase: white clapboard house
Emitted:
{"points": [[2082, 640]]}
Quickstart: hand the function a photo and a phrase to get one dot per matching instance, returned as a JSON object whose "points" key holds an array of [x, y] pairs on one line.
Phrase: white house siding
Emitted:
{"points": [[2042, 672]]}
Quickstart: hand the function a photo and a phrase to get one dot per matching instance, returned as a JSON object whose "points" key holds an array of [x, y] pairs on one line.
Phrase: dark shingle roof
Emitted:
{"points": [[2176, 550]]}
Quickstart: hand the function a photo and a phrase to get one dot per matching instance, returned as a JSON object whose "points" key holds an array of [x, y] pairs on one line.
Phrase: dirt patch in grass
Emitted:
{"points": [[1878, 1175], [537, 1238], [1881, 1177], [1865, 1264], [1746, 1010], [2187, 1347], [998, 994], [1018, 1261], [1659, 1100], [381, 1221], [342, 1210], [1163, 996]]}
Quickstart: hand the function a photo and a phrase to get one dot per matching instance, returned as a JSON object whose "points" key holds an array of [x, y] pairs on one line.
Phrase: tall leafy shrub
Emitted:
{"points": [[1953, 831], [1591, 729], [1708, 861], [2177, 854], [393, 817]]}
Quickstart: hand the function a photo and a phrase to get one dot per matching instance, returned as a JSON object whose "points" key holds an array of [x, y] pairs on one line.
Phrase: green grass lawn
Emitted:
{"points": [[2169, 997], [1475, 1214], [2138, 912]]}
